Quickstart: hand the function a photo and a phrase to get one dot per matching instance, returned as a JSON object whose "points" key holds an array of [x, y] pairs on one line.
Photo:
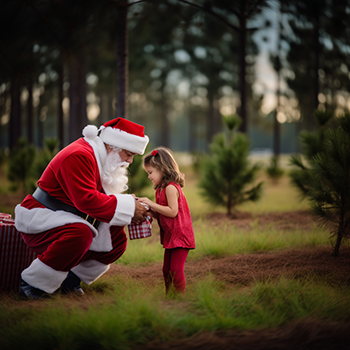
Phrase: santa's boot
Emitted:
{"points": [[31, 292], [71, 285]]}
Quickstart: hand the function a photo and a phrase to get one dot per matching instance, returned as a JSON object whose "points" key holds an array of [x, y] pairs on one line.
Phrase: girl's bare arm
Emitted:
{"points": [[171, 209]]}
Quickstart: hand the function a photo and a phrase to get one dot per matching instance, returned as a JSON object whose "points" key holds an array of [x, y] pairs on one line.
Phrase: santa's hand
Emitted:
{"points": [[140, 212]]}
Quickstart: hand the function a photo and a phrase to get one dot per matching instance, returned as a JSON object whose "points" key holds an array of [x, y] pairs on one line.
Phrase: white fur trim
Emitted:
{"points": [[124, 211], [103, 242], [44, 277], [100, 151], [124, 140], [90, 270], [38, 220], [90, 132]]}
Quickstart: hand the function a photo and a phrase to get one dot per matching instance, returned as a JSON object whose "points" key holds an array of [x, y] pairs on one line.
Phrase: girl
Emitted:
{"points": [[173, 214]]}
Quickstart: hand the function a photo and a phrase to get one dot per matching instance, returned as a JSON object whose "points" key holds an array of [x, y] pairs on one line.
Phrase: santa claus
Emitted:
{"points": [[74, 221]]}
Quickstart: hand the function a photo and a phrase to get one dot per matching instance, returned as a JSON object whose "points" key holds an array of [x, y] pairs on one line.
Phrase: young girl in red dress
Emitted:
{"points": [[173, 215]]}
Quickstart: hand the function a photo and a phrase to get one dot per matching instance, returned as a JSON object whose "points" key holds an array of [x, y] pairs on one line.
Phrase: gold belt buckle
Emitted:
{"points": [[86, 218]]}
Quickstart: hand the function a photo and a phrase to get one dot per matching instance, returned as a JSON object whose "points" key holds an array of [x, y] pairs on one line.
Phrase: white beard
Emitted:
{"points": [[114, 174]]}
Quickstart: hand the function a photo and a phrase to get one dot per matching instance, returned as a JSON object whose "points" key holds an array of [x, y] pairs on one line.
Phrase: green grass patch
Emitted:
{"points": [[129, 313], [120, 313], [226, 240]]}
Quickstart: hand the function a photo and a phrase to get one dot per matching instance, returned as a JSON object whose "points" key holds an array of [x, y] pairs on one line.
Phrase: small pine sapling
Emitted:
{"points": [[273, 170], [20, 167], [329, 190], [311, 144], [227, 175]]}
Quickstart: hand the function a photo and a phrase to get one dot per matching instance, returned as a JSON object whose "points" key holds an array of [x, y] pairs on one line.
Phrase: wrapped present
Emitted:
{"points": [[141, 230], [15, 255], [4, 216]]}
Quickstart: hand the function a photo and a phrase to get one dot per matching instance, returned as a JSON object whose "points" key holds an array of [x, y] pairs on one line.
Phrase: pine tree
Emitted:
{"points": [[273, 170], [226, 172], [311, 144], [44, 156], [329, 191], [137, 177], [20, 167]]}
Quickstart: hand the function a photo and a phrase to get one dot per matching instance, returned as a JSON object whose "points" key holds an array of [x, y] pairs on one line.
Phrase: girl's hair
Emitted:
{"points": [[162, 159]]}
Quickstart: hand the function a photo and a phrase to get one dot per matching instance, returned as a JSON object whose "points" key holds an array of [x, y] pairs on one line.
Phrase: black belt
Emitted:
{"points": [[55, 204]]}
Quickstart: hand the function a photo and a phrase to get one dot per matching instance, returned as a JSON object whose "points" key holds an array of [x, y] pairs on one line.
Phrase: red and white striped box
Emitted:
{"points": [[15, 255], [141, 230]]}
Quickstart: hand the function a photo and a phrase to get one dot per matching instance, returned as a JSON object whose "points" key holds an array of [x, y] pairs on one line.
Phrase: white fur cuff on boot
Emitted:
{"points": [[90, 270], [44, 277]]}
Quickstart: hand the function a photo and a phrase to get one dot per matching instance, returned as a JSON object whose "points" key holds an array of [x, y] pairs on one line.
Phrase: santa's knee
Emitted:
{"points": [[81, 237]]}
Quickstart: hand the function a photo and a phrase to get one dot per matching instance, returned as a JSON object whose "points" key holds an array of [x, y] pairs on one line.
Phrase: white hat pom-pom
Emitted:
{"points": [[90, 132]]}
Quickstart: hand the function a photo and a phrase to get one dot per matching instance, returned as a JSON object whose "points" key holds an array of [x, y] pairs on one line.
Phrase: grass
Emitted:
{"points": [[226, 240], [120, 312], [129, 313]]}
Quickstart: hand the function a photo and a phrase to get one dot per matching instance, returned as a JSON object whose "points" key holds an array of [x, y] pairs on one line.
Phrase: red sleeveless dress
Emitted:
{"points": [[175, 232]]}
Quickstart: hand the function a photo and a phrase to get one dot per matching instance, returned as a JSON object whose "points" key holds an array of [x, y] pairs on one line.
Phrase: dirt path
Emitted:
{"points": [[244, 269]]}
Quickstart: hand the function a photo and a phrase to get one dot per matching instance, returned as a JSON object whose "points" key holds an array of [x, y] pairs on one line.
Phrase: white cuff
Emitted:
{"points": [[124, 211], [90, 270], [44, 277]]}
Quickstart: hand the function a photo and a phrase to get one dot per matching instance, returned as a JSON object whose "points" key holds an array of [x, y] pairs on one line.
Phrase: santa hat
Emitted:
{"points": [[121, 133]]}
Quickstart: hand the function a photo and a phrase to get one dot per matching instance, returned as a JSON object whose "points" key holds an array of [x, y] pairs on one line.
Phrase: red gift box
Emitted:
{"points": [[141, 230], [15, 255], [4, 216]]}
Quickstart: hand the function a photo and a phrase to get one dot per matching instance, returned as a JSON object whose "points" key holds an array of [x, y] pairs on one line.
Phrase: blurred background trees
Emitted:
{"points": [[174, 66]]}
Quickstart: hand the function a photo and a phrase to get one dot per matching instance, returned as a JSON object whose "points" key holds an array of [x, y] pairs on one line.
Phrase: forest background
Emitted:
{"points": [[262, 279], [174, 66]]}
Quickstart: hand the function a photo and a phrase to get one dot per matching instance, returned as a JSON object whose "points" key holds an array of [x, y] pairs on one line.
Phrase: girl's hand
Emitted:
{"points": [[146, 201]]}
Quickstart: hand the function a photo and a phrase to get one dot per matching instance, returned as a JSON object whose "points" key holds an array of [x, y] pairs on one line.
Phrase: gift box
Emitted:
{"points": [[141, 230], [15, 255], [4, 216]]}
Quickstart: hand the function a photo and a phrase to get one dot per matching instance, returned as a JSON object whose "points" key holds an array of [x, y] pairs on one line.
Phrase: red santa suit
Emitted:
{"points": [[64, 241]]}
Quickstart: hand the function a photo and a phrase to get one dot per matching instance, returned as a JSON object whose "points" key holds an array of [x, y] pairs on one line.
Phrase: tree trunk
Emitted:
{"points": [[77, 98], [276, 124], [316, 54], [192, 132], [211, 125], [40, 123], [60, 121], [30, 113], [122, 82], [229, 202], [337, 244], [2, 112], [15, 115], [242, 67], [165, 135]]}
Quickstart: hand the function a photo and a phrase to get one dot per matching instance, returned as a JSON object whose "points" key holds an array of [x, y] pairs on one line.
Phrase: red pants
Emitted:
{"points": [[173, 269], [64, 247]]}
